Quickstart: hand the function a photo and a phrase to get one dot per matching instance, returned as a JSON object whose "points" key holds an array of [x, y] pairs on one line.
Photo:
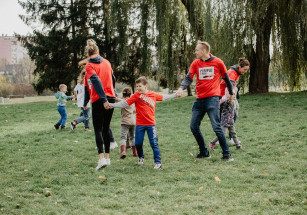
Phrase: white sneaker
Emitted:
{"points": [[158, 166], [101, 163], [141, 161], [217, 143], [231, 142], [113, 145], [108, 161]]}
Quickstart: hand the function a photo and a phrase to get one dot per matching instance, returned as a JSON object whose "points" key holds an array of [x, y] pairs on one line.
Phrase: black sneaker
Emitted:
{"points": [[200, 155], [57, 126], [227, 159], [72, 126], [62, 127]]}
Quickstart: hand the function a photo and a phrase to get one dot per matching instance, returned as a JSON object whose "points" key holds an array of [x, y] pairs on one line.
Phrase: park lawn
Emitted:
{"points": [[48, 171]]}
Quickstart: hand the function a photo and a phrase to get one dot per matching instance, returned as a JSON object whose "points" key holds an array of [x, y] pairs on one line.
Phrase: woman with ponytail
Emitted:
{"points": [[99, 88]]}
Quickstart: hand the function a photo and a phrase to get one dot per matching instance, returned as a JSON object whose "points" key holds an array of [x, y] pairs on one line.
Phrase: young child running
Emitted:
{"points": [[62, 99], [227, 119], [85, 113], [145, 102], [127, 125]]}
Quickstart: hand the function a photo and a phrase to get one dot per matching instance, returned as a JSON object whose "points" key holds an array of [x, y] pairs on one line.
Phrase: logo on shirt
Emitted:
{"points": [[89, 83], [206, 73], [147, 100]]}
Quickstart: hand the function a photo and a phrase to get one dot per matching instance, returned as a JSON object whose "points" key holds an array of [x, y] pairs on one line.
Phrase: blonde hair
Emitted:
{"points": [[91, 47], [62, 86], [205, 45], [142, 80]]}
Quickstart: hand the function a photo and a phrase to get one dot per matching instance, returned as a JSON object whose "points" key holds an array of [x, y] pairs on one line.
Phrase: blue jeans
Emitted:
{"points": [[63, 113], [153, 140], [211, 106], [84, 117]]}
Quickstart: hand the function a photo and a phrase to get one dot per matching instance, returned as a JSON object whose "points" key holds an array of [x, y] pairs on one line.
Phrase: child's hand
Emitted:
{"points": [[179, 92], [107, 105], [231, 98]]}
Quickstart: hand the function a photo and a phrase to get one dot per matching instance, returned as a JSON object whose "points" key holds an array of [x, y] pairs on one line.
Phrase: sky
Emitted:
{"points": [[10, 22]]}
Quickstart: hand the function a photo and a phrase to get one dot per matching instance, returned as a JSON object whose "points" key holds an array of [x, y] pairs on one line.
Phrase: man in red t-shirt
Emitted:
{"points": [[145, 103], [208, 70]]}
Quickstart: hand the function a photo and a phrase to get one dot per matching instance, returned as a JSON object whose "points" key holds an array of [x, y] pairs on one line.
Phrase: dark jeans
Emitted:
{"points": [[153, 140], [211, 106], [63, 113], [101, 123]]}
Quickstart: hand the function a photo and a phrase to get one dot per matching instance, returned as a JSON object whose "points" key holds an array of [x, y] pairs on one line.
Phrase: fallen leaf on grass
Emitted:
{"points": [[101, 177], [210, 209], [76, 175], [191, 153], [25, 170], [76, 141], [265, 173], [266, 200], [6, 121], [217, 179], [200, 189], [286, 153]]}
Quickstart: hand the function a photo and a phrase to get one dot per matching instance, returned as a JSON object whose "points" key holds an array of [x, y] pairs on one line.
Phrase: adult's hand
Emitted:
{"points": [[179, 92], [85, 107], [107, 105]]}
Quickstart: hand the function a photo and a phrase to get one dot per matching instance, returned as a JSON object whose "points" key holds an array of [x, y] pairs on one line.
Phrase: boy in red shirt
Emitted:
{"points": [[145, 103]]}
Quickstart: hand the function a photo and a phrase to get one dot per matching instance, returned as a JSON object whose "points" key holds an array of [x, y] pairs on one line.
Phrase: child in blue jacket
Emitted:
{"points": [[62, 99]]}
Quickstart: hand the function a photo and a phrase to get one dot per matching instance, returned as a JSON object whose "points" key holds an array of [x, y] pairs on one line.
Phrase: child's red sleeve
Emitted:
{"points": [[159, 97], [133, 98]]}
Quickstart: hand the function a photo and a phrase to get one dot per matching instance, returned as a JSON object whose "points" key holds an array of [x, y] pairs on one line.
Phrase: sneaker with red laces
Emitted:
{"points": [[211, 145]]}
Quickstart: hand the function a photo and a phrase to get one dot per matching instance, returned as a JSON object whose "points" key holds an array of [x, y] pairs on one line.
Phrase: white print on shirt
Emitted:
{"points": [[89, 84], [147, 100], [206, 73]]}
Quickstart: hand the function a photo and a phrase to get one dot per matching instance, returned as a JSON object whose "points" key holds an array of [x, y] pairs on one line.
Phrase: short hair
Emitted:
{"points": [[142, 80], [127, 92], [62, 86], [243, 62], [91, 47], [205, 45]]}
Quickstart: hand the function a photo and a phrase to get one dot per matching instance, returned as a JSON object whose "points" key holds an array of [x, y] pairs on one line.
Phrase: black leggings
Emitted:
{"points": [[101, 123]]}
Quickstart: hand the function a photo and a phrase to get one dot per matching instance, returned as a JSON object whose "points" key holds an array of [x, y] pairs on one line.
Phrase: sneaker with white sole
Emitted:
{"points": [[108, 161], [101, 163], [72, 126], [113, 145], [158, 166], [231, 142], [141, 161]]}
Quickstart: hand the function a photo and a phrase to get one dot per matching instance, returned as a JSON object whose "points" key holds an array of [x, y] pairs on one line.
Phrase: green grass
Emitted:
{"points": [[48, 171]]}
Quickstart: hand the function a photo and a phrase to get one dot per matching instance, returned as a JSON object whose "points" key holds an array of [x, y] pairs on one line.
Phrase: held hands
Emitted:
{"points": [[231, 98], [85, 107], [179, 92], [107, 105]]}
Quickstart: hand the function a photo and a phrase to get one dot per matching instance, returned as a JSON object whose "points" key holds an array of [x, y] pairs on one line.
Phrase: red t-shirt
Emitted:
{"points": [[233, 76], [208, 76], [104, 72], [145, 106]]}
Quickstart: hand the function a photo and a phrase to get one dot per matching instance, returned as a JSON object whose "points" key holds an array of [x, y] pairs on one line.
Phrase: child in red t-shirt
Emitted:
{"points": [[145, 102]]}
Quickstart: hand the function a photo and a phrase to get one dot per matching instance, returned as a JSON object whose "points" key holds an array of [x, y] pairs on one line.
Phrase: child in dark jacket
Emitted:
{"points": [[228, 110]]}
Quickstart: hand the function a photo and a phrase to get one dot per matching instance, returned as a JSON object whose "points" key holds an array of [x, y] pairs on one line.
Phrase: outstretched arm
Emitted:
{"points": [[121, 104], [83, 62], [167, 97]]}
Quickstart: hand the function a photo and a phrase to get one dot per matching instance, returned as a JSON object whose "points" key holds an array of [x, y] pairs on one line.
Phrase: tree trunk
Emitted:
{"points": [[259, 74]]}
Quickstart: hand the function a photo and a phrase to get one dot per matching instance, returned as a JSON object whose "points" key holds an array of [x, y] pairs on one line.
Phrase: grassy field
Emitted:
{"points": [[48, 171]]}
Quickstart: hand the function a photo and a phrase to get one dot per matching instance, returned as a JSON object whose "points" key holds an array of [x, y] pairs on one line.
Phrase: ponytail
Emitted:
{"points": [[91, 47]]}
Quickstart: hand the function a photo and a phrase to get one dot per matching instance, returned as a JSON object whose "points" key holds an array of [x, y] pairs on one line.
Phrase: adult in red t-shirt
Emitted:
{"points": [[234, 74], [208, 70], [99, 88]]}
